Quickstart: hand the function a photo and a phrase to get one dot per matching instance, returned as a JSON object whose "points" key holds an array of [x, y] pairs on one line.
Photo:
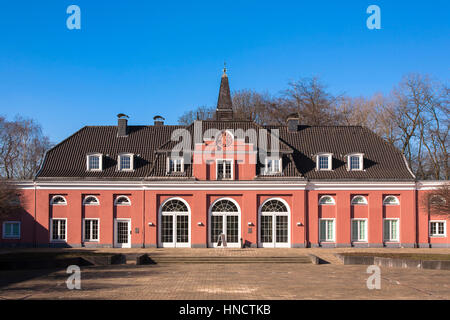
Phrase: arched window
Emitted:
{"points": [[326, 200], [273, 206], [224, 206], [58, 200], [122, 201], [225, 219], [274, 224], [174, 226], [391, 201], [359, 200], [437, 200], [91, 201]]}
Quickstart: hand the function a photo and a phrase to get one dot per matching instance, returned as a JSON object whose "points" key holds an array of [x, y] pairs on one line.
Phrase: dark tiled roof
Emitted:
{"points": [[151, 144]]}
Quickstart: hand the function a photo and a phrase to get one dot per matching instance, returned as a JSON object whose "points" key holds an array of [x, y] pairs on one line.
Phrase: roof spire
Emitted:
{"points": [[224, 109], [224, 69]]}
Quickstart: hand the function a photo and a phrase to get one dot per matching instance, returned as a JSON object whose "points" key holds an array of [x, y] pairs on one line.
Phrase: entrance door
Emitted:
{"points": [[224, 219], [274, 225], [174, 230], [122, 234]]}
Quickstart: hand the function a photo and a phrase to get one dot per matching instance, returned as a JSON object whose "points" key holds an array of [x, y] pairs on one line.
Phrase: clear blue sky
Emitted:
{"points": [[164, 57]]}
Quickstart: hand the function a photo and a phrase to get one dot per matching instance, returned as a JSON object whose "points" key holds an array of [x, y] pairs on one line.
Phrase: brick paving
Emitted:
{"points": [[230, 281]]}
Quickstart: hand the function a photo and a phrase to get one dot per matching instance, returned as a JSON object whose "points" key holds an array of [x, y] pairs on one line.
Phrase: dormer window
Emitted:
{"points": [[175, 165], [94, 162], [125, 162], [324, 161], [224, 169], [355, 162], [273, 166]]}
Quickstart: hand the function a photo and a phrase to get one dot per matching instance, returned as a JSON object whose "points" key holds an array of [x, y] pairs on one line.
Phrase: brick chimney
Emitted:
{"points": [[122, 125], [292, 122], [158, 120]]}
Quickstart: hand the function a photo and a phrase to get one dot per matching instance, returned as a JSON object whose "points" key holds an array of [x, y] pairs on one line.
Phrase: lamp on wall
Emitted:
{"points": [[250, 224], [150, 224], [299, 224], [200, 224]]}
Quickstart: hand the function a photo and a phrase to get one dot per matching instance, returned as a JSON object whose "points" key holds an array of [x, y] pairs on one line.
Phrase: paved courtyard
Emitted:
{"points": [[229, 281]]}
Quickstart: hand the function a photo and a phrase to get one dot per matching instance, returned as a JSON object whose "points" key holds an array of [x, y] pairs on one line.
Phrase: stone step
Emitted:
{"points": [[221, 259]]}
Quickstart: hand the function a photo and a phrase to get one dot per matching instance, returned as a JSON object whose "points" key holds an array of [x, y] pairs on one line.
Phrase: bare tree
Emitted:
{"points": [[200, 113], [309, 98], [9, 198], [22, 148], [438, 201]]}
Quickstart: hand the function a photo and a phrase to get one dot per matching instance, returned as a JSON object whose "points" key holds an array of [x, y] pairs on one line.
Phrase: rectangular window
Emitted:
{"points": [[175, 165], [94, 163], [58, 229], [91, 230], [326, 232], [390, 228], [224, 169], [437, 228], [11, 230], [359, 230], [273, 166], [125, 162], [355, 163], [324, 162]]}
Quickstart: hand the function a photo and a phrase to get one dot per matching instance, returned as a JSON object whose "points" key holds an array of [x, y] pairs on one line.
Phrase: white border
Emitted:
{"points": [[122, 204], [334, 231], [174, 244], [232, 169], [359, 204], [90, 204], [122, 245], [437, 235], [397, 203], [224, 221], [98, 231], [366, 238], [398, 231], [12, 237], [326, 204], [274, 244], [58, 204], [51, 231]]}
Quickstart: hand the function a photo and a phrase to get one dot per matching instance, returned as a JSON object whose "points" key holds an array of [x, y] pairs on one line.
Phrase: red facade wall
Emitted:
{"points": [[304, 208]]}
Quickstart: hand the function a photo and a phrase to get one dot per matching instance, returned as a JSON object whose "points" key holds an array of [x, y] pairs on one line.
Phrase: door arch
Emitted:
{"points": [[225, 217], [174, 223], [274, 224]]}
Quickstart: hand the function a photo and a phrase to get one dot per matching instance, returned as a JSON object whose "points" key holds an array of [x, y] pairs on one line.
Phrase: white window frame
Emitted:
{"points": [[330, 162], [119, 161], [266, 166], [398, 230], [90, 204], [334, 231], [169, 159], [122, 204], [366, 230], [84, 229], [326, 204], [58, 204], [51, 230], [397, 203], [4, 236], [232, 168], [353, 203], [361, 161], [100, 161], [437, 235], [174, 214]]}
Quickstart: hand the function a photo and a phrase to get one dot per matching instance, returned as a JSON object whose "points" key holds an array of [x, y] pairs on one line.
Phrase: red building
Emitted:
{"points": [[261, 186]]}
